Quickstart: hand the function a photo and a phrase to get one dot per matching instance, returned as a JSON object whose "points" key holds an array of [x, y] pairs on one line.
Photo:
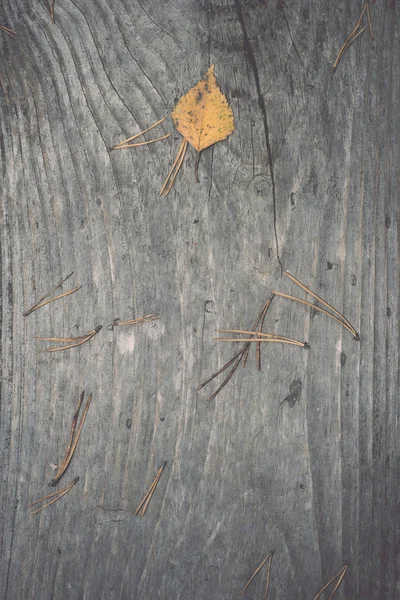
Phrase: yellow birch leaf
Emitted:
{"points": [[203, 116]]}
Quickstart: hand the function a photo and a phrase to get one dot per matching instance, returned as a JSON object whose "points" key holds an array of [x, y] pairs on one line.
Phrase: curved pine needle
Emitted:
{"points": [[163, 137], [256, 573], [72, 442], [61, 493], [133, 137], [322, 310], [324, 302], [339, 575]]}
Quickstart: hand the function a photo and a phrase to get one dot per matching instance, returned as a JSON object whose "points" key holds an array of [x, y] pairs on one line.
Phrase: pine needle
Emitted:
{"points": [[314, 295], [260, 334], [241, 355], [73, 441], [10, 32], [134, 137], [355, 33], [149, 494], [51, 9], [163, 137], [269, 557], [137, 321], [270, 340], [70, 342], [339, 576], [58, 493], [166, 188], [41, 302]]}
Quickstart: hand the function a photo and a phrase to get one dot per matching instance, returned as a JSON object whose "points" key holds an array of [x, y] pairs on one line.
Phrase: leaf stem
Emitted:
{"points": [[196, 167]]}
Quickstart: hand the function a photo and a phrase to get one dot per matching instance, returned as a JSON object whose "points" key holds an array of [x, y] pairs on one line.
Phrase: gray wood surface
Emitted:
{"points": [[301, 458]]}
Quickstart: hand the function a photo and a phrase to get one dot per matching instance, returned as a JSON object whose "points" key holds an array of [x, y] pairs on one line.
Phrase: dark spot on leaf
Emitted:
{"points": [[129, 423], [343, 359], [353, 280]]}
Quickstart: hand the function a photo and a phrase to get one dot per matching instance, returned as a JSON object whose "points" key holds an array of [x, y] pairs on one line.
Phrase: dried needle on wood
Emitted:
{"points": [[59, 494], [124, 143], [354, 35], [73, 440], [166, 188], [339, 576], [10, 32], [149, 494], [69, 342], [43, 301], [146, 319], [269, 557]]}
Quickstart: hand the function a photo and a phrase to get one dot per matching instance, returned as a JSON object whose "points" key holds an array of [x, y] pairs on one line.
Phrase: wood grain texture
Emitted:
{"points": [[302, 457]]}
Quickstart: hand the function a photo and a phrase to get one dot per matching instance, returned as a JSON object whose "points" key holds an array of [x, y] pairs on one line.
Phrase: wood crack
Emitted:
{"points": [[261, 103]]}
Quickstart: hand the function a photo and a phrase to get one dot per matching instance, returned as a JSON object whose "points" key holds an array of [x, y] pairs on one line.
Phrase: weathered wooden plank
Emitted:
{"points": [[302, 457]]}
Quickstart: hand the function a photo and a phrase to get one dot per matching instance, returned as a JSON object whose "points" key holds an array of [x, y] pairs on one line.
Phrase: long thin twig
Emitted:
{"points": [[146, 319], [70, 342], [134, 137], [354, 35], [269, 557], [339, 576], [58, 493], [10, 32], [149, 494], [73, 440], [169, 182], [41, 302]]}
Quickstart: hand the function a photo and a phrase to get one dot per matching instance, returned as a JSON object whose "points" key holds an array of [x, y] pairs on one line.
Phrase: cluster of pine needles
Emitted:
{"points": [[257, 336]]}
